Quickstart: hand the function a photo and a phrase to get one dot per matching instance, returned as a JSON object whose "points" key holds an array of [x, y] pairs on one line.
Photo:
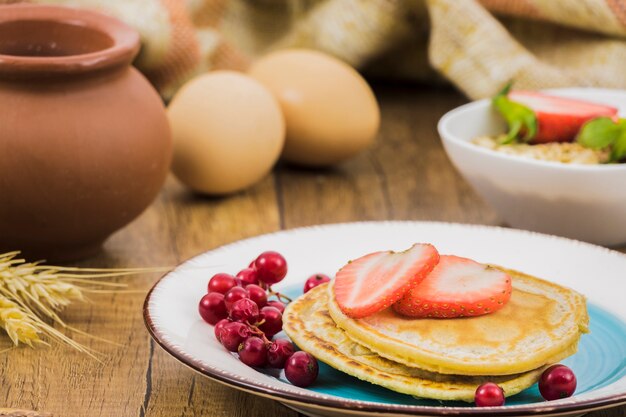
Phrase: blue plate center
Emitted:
{"points": [[600, 361]]}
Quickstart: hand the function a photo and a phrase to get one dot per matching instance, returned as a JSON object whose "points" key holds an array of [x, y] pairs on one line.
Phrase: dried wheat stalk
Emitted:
{"points": [[30, 293]]}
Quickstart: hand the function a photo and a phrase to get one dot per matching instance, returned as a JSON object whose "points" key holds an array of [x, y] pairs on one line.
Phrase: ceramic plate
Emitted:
{"points": [[171, 315]]}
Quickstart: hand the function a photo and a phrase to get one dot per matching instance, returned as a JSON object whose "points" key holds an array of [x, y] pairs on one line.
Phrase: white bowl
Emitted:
{"points": [[585, 202]]}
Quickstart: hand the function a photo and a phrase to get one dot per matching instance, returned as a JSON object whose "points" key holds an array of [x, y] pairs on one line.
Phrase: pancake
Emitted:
{"points": [[308, 323], [541, 324]]}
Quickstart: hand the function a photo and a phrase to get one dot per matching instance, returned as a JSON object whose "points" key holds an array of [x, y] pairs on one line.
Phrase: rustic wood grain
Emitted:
{"points": [[6, 412], [406, 175]]}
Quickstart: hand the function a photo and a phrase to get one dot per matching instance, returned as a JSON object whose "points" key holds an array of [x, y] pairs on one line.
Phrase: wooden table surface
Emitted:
{"points": [[406, 175]]}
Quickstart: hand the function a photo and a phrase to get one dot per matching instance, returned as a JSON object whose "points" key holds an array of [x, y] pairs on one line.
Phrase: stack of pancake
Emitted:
{"points": [[444, 359]]}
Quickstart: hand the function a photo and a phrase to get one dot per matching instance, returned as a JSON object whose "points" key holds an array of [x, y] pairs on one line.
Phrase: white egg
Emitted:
{"points": [[330, 111], [228, 132]]}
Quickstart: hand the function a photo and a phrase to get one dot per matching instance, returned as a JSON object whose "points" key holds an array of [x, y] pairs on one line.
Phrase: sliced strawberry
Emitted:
{"points": [[559, 119], [374, 282], [457, 287]]}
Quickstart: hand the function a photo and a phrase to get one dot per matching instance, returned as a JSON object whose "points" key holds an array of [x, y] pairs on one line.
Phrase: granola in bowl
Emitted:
{"points": [[565, 152]]}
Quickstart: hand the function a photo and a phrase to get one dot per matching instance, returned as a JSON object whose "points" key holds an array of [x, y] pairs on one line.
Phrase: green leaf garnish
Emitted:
{"points": [[602, 133], [598, 133], [521, 120], [618, 151]]}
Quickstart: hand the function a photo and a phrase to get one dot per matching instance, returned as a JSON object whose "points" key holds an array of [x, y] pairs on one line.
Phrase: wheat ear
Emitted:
{"points": [[30, 292]]}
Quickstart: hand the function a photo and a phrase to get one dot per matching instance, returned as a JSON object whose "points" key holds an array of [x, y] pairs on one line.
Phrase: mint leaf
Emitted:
{"points": [[521, 120], [618, 151], [598, 133], [604, 132]]}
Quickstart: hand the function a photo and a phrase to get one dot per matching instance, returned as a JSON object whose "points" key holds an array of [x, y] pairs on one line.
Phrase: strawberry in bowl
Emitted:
{"points": [[559, 129], [538, 117]]}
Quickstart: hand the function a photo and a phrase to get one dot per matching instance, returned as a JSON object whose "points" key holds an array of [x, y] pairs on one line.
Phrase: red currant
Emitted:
{"points": [[244, 310], [558, 381], [271, 267], [253, 352], [277, 304], [315, 280], [248, 276], [233, 334], [272, 321], [234, 294], [301, 369], [257, 294], [221, 283], [212, 308], [218, 328], [279, 351], [489, 395]]}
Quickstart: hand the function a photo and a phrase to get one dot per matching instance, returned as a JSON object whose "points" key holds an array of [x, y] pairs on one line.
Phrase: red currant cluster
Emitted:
{"points": [[556, 382], [245, 319]]}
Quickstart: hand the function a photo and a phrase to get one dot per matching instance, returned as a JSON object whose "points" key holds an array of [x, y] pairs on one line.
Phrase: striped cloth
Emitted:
{"points": [[478, 45]]}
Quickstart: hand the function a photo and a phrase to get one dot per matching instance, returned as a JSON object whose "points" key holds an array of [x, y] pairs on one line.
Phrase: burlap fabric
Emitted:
{"points": [[478, 45]]}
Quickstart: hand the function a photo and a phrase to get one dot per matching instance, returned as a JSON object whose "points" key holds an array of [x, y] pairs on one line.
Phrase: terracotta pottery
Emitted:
{"points": [[85, 144]]}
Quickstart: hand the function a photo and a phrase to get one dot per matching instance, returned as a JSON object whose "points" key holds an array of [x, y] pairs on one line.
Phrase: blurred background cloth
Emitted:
{"points": [[478, 45]]}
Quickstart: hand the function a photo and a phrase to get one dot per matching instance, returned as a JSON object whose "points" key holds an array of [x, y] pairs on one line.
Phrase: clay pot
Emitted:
{"points": [[85, 144]]}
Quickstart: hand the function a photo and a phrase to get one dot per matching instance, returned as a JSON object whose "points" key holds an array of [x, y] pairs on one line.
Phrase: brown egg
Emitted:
{"points": [[228, 132], [330, 111]]}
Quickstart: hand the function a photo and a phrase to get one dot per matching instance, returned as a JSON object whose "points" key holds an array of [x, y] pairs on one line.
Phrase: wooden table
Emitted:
{"points": [[406, 175]]}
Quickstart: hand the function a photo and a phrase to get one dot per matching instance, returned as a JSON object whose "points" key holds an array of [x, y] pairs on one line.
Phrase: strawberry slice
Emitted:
{"points": [[457, 287], [559, 119], [374, 282]]}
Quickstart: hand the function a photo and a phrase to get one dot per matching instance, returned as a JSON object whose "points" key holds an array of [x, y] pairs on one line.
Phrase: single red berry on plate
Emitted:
{"points": [[244, 310], [457, 287], [279, 351], [257, 294], [277, 304], [218, 328], [271, 267], [374, 282], [221, 283], [248, 276], [253, 352], [272, 321], [556, 382], [233, 334], [212, 308], [301, 369], [489, 395], [315, 280], [234, 294]]}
